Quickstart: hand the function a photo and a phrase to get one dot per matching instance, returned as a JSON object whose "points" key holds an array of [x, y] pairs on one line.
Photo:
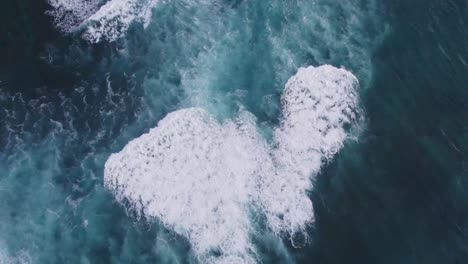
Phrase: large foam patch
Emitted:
{"points": [[208, 181]]}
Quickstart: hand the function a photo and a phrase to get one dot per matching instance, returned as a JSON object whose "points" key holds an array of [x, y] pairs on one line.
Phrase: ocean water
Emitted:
{"points": [[234, 131]]}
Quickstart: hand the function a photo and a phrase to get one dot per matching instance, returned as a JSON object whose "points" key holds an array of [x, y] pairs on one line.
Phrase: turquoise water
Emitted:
{"points": [[396, 195]]}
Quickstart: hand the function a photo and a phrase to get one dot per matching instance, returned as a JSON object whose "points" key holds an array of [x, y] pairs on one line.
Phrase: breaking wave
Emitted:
{"points": [[68, 15], [103, 20], [212, 181]]}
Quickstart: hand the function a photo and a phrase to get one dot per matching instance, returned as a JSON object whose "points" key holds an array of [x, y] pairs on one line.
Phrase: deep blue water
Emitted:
{"points": [[396, 195]]}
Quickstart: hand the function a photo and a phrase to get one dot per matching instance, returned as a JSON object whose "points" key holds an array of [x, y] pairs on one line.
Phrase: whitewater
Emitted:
{"points": [[103, 20], [202, 178]]}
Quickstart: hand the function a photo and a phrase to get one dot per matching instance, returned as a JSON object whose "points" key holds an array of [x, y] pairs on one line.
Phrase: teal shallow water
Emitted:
{"points": [[398, 195]]}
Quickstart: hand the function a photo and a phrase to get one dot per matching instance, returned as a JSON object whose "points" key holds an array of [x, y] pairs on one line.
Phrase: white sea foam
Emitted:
{"points": [[113, 19], [103, 20], [205, 179], [317, 104], [195, 175], [70, 14]]}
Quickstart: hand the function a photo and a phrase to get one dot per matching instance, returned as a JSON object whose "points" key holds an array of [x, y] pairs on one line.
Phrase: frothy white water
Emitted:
{"points": [[208, 180], [113, 19], [195, 175], [317, 104], [103, 20], [70, 14]]}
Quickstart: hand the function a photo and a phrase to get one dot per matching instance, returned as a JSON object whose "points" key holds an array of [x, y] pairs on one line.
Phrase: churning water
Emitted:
{"points": [[234, 131]]}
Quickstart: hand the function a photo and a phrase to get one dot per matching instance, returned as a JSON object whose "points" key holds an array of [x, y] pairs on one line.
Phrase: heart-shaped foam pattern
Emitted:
{"points": [[208, 181]]}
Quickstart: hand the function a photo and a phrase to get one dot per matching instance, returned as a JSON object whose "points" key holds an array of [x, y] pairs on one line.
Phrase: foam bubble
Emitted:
{"points": [[205, 179]]}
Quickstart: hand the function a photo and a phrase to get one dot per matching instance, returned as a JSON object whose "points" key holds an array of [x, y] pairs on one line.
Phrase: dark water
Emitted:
{"points": [[397, 195]]}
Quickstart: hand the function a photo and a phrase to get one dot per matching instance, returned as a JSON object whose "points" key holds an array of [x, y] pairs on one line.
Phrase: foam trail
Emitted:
{"points": [[204, 179]]}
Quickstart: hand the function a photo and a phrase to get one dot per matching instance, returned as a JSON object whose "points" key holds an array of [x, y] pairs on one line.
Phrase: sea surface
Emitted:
{"points": [[387, 178]]}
